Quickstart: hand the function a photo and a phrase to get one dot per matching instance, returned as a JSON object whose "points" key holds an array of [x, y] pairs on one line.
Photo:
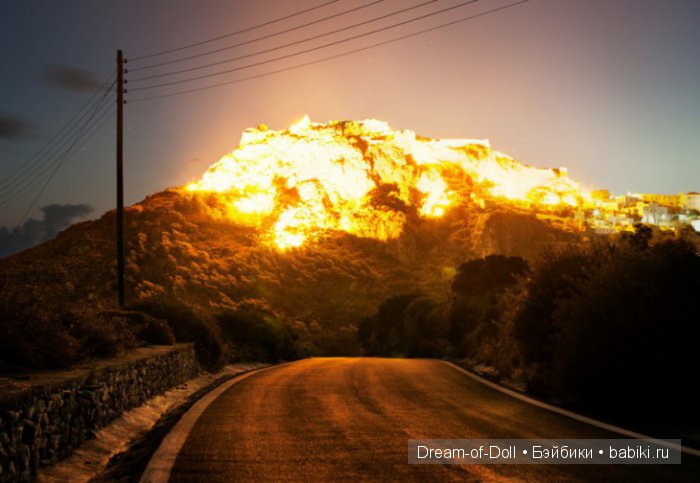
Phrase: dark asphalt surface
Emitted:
{"points": [[349, 419]]}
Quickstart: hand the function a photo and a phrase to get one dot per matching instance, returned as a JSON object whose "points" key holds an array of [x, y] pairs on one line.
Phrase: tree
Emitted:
{"points": [[554, 278], [626, 338], [475, 305]]}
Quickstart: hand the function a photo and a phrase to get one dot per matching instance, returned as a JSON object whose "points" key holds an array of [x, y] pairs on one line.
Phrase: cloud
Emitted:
{"points": [[13, 127], [71, 78], [33, 232]]}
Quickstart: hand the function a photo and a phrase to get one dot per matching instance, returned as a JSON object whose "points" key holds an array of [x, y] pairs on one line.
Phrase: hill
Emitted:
{"points": [[315, 225]]}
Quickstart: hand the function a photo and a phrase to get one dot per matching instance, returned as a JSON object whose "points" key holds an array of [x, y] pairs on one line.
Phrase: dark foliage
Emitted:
{"points": [[555, 279], [418, 325], [476, 291], [147, 328], [255, 334], [412, 325], [382, 333], [626, 338], [102, 334], [156, 331], [609, 330], [31, 342], [42, 340], [189, 326]]}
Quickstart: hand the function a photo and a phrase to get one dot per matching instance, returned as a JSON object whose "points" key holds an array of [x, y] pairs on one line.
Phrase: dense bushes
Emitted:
{"points": [[41, 340], [476, 304], [189, 326], [406, 326], [554, 279], [622, 338], [609, 329], [146, 328], [419, 325], [250, 332], [254, 333], [102, 334], [35, 342]]}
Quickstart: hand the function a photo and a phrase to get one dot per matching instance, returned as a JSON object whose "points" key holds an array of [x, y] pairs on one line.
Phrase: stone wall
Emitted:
{"points": [[44, 416]]}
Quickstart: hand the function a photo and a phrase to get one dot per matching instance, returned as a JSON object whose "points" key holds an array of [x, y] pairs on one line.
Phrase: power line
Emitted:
{"points": [[17, 191], [272, 49], [331, 57], [21, 180], [257, 39], [76, 118], [40, 177], [25, 179], [58, 137], [45, 185], [287, 56], [104, 117], [247, 29]]}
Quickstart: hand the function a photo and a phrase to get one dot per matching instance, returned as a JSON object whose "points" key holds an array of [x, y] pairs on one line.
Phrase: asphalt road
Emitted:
{"points": [[349, 419]]}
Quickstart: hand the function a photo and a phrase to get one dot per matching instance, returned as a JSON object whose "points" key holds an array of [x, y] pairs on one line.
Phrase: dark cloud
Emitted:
{"points": [[13, 127], [71, 78], [33, 232]]}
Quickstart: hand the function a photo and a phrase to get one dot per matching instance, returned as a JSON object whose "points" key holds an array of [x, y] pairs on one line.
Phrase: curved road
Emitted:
{"points": [[350, 418]]}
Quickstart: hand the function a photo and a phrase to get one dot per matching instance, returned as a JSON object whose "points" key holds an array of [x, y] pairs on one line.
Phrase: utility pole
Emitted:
{"points": [[120, 177]]}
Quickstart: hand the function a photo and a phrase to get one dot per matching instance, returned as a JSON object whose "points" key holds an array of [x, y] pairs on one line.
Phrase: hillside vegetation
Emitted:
{"points": [[182, 256], [608, 328]]}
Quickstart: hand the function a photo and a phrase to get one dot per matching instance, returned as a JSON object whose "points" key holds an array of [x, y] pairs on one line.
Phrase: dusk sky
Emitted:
{"points": [[608, 88]]}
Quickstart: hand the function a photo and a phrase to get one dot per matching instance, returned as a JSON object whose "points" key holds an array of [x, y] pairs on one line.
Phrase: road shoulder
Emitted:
{"points": [[144, 439]]}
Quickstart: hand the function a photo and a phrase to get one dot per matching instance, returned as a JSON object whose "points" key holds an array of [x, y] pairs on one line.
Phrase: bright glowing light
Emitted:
{"points": [[300, 126], [258, 203], [433, 187], [301, 183]]}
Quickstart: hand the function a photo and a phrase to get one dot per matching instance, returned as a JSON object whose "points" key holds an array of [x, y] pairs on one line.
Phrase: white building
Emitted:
{"points": [[692, 201], [655, 214]]}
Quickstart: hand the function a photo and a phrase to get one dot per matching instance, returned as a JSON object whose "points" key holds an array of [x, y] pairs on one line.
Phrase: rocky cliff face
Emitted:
{"points": [[525, 236]]}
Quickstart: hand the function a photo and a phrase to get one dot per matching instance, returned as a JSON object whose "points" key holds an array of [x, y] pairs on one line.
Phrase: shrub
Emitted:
{"points": [[413, 325], [103, 334], [156, 331], [554, 278], [147, 328], [625, 344], [190, 326], [477, 290], [254, 333], [36, 341], [382, 333]]}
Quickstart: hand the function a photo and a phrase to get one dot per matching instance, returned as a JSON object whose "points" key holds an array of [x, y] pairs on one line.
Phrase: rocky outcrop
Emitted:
{"points": [[522, 235], [44, 417]]}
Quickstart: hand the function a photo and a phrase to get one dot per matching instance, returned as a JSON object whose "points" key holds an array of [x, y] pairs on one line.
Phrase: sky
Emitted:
{"points": [[609, 89]]}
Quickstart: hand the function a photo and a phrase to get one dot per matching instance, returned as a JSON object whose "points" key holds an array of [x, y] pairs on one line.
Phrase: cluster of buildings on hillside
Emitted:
{"points": [[611, 214]]}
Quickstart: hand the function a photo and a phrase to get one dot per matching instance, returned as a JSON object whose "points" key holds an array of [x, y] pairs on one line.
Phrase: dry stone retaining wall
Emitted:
{"points": [[46, 416]]}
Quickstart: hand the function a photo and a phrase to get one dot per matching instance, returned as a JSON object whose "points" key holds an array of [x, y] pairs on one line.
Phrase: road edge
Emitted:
{"points": [[570, 414], [161, 463]]}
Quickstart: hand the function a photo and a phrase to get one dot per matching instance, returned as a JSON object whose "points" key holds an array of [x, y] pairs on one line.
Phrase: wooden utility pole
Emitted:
{"points": [[120, 177]]}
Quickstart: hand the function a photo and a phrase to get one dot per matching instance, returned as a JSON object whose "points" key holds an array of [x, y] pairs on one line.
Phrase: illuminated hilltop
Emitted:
{"points": [[362, 177]]}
